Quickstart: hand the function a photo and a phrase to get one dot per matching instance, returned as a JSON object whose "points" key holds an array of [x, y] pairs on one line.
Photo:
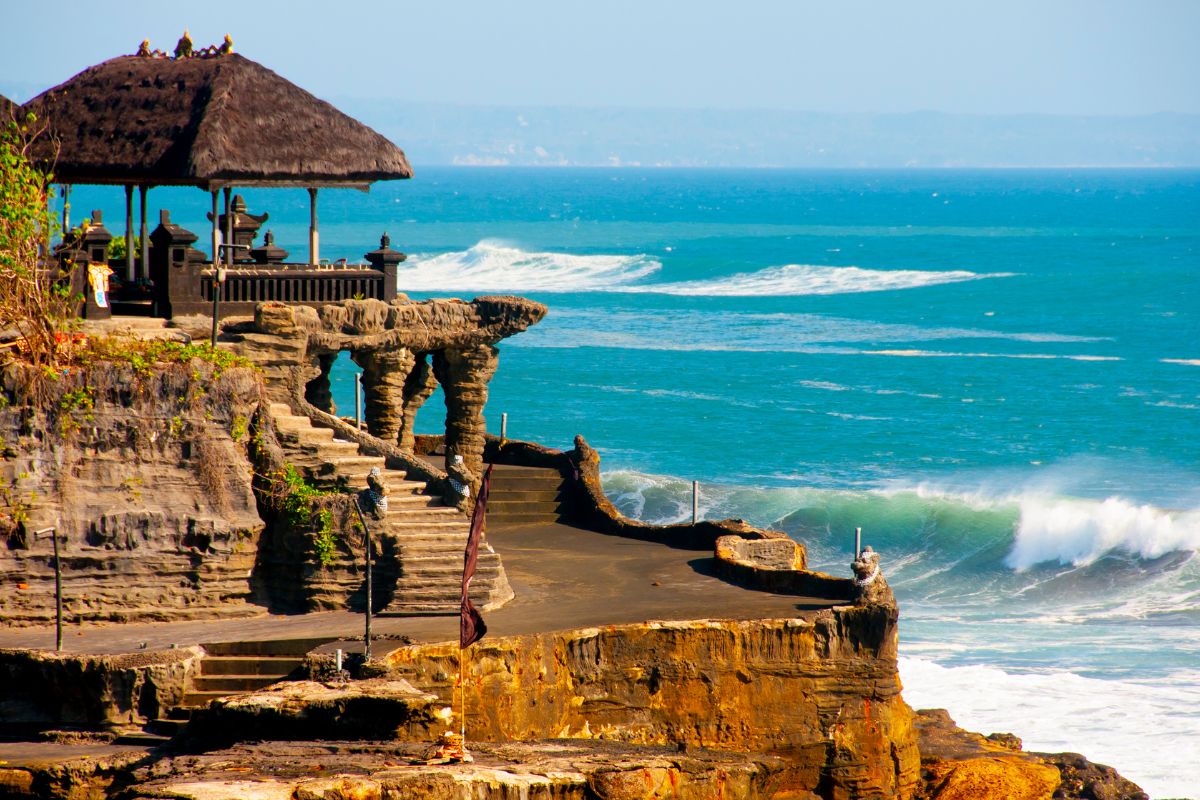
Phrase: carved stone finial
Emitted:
{"points": [[869, 585], [227, 47], [144, 48], [385, 241], [183, 48], [238, 205], [269, 239]]}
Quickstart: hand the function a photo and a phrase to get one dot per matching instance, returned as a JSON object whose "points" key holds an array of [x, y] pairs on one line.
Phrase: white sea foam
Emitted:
{"points": [[810, 279], [495, 266], [945, 354], [1077, 532], [1058, 711], [1191, 362]]}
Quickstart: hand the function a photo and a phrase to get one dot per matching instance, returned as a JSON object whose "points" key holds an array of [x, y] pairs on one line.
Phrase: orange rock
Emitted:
{"points": [[991, 778]]}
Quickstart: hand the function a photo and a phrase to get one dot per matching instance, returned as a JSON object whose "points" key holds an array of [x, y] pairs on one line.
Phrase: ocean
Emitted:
{"points": [[995, 374]]}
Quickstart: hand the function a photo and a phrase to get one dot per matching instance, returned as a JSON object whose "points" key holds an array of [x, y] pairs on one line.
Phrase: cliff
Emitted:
{"points": [[143, 473], [821, 692]]}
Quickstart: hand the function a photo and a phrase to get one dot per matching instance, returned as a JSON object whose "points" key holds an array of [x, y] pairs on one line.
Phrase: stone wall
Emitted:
{"points": [[823, 692], [90, 691], [145, 476]]}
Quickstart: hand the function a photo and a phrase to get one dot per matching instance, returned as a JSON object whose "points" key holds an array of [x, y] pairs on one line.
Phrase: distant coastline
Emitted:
{"points": [[445, 134]]}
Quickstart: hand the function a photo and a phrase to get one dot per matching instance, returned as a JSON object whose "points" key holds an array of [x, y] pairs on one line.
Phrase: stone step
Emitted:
{"points": [[505, 495], [296, 648], [431, 514], [277, 666], [505, 473], [355, 465], [299, 434], [167, 727], [398, 503], [497, 507], [142, 738], [516, 520], [231, 684], [194, 699], [526, 484], [404, 528], [280, 409]]}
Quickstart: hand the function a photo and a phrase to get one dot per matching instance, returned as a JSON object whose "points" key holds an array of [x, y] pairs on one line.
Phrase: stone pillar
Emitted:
{"points": [[318, 390], [464, 375], [383, 379], [418, 386]]}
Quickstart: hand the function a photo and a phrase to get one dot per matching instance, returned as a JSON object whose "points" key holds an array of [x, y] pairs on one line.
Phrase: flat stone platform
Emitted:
{"points": [[563, 577]]}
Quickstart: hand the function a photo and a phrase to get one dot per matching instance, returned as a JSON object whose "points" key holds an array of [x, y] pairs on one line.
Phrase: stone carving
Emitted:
{"points": [[869, 584], [405, 349]]}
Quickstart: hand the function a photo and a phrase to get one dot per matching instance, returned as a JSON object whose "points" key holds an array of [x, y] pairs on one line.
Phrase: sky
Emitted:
{"points": [[1101, 57]]}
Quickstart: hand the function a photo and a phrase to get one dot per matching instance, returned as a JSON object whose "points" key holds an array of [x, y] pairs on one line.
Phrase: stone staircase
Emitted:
{"points": [[523, 496], [428, 535], [229, 668]]}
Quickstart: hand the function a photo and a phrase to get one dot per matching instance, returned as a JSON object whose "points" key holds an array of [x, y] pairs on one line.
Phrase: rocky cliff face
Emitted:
{"points": [[144, 474], [821, 692]]}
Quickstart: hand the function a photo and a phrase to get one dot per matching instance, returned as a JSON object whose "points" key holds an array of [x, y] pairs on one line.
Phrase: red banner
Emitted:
{"points": [[472, 627]]}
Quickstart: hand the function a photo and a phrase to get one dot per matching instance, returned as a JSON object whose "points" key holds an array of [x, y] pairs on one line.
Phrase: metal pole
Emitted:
{"points": [[695, 502], [58, 600], [66, 226], [367, 549], [57, 594], [358, 400], [857, 541], [129, 232], [504, 427]]}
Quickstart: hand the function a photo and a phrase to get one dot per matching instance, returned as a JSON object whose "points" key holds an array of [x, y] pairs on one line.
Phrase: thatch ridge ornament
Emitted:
{"points": [[185, 49]]}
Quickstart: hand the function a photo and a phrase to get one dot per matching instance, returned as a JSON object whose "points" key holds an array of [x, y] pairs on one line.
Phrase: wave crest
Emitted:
{"points": [[808, 279], [1078, 532], [497, 267]]}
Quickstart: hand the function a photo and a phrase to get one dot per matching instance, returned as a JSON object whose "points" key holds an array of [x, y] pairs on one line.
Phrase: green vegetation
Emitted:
{"points": [[35, 299], [147, 355], [302, 508]]}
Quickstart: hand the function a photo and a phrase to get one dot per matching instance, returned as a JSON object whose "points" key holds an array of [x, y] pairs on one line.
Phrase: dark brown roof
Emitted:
{"points": [[206, 122]]}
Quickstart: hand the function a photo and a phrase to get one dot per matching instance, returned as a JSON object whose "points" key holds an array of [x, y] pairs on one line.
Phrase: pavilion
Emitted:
{"points": [[209, 118]]}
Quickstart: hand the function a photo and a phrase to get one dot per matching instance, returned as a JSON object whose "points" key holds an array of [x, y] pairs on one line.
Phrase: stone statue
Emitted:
{"points": [[870, 587], [377, 493]]}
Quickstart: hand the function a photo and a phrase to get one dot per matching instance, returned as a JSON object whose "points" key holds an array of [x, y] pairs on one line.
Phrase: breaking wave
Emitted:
{"points": [[808, 279], [496, 267], [989, 546]]}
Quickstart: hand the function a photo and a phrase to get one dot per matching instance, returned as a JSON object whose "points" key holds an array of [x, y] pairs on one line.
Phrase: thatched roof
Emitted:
{"points": [[206, 122]]}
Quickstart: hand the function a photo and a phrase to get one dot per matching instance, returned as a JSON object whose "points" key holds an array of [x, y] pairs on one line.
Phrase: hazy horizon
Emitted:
{"points": [[768, 83]]}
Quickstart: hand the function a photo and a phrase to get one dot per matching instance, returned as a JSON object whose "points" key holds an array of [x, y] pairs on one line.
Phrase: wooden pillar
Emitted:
{"points": [[314, 241], [216, 237], [129, 276], [145, 235], [228, 226], [66, 224]]}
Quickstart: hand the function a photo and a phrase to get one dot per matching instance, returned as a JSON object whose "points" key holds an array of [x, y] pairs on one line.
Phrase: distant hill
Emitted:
{"points": [[543, 136]]}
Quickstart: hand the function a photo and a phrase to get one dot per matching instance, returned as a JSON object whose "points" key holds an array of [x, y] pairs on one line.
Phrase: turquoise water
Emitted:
{"points": [[996, 374]]}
